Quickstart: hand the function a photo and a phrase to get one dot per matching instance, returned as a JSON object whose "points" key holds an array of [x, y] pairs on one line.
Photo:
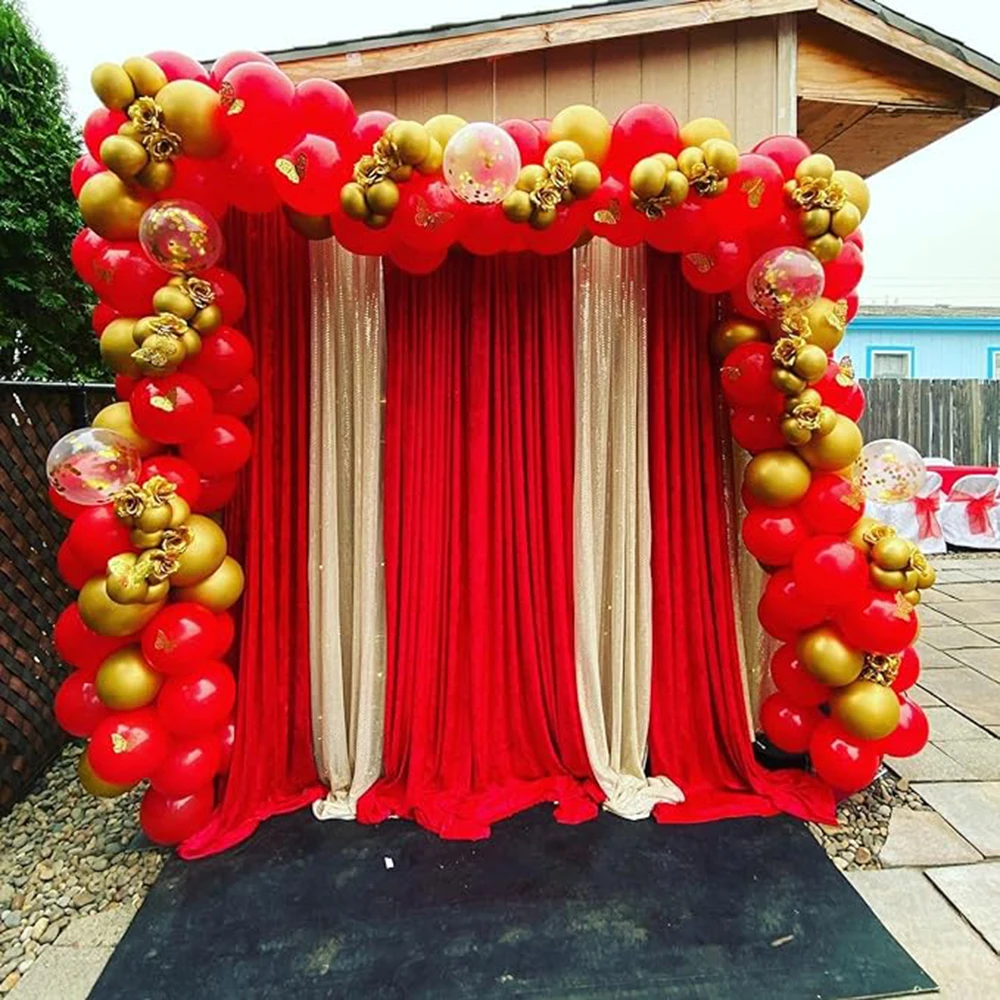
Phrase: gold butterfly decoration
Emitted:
{"points": [[167, 403], [293, 172], [753, 187], [227, 96], [426, 219], [118, 743], [701, 262], [845, 376], [611, 215], [164, 644]]}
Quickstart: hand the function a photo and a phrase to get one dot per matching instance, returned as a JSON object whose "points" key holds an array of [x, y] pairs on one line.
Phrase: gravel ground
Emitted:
{"points": [[863, 823], [64, 853]]}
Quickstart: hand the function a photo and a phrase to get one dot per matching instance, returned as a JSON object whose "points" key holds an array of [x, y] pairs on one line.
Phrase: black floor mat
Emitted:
{"points": [[741, 909]]}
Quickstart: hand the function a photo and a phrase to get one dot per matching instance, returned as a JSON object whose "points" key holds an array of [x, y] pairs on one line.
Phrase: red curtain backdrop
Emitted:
{"points": [[698, 725], [481, 705], [272, 768]]}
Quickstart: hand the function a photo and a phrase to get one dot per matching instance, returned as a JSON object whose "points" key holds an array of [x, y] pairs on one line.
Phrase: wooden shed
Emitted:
{"points": [[850, 77]]}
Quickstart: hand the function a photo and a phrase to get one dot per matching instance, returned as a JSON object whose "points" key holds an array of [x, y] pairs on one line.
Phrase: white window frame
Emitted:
{"points": [[892, 353]]}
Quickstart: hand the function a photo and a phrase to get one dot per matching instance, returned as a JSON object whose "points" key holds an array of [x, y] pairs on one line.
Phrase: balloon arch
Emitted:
{"points": [[775, 231]]}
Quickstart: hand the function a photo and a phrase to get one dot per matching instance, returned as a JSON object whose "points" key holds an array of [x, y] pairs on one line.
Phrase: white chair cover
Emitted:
{"points": [[969, 514], [915, 520]]}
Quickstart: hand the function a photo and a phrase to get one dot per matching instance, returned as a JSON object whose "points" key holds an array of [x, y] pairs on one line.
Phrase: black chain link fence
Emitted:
{"points": [[34, 416]]}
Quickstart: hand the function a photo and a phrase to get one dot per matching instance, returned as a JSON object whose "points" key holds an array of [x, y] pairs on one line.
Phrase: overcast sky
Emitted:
{"points": [[917, 249]]}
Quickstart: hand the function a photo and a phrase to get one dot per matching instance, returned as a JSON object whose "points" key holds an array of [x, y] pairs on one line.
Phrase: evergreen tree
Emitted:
{"points": [[44, 318]]}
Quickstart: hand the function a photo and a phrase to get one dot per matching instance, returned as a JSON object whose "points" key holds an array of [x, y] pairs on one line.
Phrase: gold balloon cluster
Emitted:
{"points": [[896, 563], [165, 119], [159, 344], [832, 203], [823, 323], [706, 161], [373, 195]]}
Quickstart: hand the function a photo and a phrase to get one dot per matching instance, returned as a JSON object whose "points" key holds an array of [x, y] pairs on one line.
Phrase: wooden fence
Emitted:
{"points": [[33, 416], [958, 419]]}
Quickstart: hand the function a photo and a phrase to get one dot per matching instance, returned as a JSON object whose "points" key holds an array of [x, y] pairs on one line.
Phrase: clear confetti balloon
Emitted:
{"points": [[785, 281], [890, 471], [180, 236], [90, 465], [481, 163]]}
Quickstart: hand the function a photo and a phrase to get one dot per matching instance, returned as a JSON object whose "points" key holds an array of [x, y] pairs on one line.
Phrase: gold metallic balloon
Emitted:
{"points": [[517, 206], [113, 86], [111, 208], [411, 139], [827, 420], [194, 111], [443, 127], [564, 150], [699, 130], [155, 517], [383, 198], [146, 75], [125, 680], [207, 319], [648, 178], [826, 247], [856, 188], [777, 478], [729, 333], [156, 176], [828, 658], [670, 162], [204, 553], [845, 220], [869, 710], [312, 227], [219, 591], [856, 535], [690, 158], [927, 577], [795, 434], [123, 156], [352, 201], [892, 553], [117, 346], [826, 323], [95, 785], [375, 221], [787, 382], [171, 299], [887, 579], [433, 161], [586, 178], [106, 617], [722, 155], [913, 596], [587, 127], [808, 397], [816, 165], [118, 417], [180, 510], [160, 354], [836, 450], [677, 187], [543, 218], [811, 362], [815, 222]]}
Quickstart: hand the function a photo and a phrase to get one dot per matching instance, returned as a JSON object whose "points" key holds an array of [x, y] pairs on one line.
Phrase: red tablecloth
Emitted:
{"points": [[951, 473]]}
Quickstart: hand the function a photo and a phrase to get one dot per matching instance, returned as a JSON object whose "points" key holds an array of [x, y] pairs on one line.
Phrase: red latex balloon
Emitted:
{"points": [[128, 279], [225, 357], [99, 125], [842, 761], [846, 399], [229, 294], [177, 66], [843, 272], [84, 168], [530, 143], [879, 622], [756, 430], [127, 747], [853, 304], [857, 238], [787, 725], [201, 181], [832, 504], [722, 267], [787, 151], [794, 681], [830, 570], [231, 60], [415, 261], [182, 474], [543, 125], [65, 507], [71, 568], [367, 131], [754, 193], [486, 230], [746, 378], [180, 637], [197, 701], [215, 494], [83, 253], [221, 449], [641, 131], [361, 239], [266, 124], [226, 635], [909, 670], [429, 217], [227, 740], [686, 229], [238, 400], [310, 186], [772, 535], [324, 108], [168, 820], [97, 535], [101, 316], [124, 386], [78, 646], [190, 764], [910, 735], [171, 408], [249, 183], [77, 708], [783, 611], [613, 216]]}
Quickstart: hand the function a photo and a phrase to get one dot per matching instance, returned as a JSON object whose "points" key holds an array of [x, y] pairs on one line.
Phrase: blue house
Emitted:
{"points": [[924, 342]]}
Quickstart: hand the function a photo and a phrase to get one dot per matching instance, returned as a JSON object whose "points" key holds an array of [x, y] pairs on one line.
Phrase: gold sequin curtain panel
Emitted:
{"points": [[347, 593]]}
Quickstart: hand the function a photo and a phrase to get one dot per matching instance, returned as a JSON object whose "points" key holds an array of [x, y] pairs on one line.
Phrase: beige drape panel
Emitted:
{"points": [[612, 531], [346, 590]]}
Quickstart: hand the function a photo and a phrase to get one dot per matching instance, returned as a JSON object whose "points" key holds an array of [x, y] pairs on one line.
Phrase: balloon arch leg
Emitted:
{"points": [[775, 231]]}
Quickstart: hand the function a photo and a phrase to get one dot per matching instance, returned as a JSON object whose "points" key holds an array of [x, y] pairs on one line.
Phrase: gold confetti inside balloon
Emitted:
{"points": [[89, 465], [890, 471], [481, 163], [180, 236], [785, 281]]}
